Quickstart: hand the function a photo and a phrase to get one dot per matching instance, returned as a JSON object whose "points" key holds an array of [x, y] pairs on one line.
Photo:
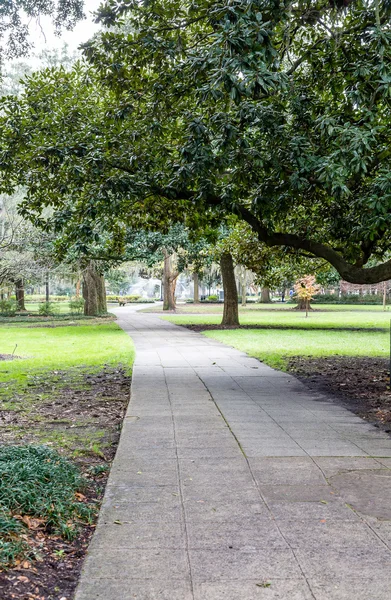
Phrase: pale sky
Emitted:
{"points": [[81, 33]]}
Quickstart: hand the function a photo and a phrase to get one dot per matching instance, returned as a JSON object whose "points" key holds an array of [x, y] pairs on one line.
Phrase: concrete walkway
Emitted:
{"points": [[233, 481]]}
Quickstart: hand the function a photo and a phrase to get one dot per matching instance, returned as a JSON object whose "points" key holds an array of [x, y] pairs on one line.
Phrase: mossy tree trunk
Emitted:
{"points": [[19, 293], [94, 291], [169, 282], [231, 310]]}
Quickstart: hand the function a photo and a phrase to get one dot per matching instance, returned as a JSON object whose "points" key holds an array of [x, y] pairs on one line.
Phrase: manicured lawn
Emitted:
{"points": [[330, 330], [211, 309], [325, 317], [59, 348], [273, 346]]}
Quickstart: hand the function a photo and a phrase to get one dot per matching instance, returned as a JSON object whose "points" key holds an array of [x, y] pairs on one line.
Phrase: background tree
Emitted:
{"points": [[174, 248], [305, 289], [16, 15]]}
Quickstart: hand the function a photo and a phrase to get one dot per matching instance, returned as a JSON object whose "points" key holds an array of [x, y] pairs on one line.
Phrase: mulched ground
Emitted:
{"points": [[81, 413], [361, 384]]}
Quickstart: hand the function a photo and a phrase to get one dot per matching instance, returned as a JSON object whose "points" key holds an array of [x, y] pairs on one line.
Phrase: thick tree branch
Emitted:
{"points": [[348, 271]]}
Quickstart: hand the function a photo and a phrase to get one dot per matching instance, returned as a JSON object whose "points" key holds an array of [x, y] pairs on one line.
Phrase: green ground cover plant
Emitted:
{"points": [[39, 488]]}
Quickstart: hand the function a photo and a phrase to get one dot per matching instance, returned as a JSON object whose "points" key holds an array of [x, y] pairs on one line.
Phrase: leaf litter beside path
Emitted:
{"points": [[361, 384], [78, 413]]}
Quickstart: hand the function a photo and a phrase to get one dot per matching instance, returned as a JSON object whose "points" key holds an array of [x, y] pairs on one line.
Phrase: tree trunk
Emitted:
{"points": [[265, 295], [231, 310], [196, 294], [47, 290], [77, 293], [303, 304], [19, 293], [384, 295], [94, 291], [169, 279], [244, 287]]}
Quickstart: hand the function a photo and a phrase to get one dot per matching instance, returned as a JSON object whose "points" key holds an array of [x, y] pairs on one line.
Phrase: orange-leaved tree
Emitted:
{"points": [[305, 288]]}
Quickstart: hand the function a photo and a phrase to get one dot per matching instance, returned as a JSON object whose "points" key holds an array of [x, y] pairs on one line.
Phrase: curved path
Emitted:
{"points": [[233, 481]]}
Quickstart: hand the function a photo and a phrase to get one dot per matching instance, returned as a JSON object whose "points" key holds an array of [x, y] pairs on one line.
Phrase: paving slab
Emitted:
{"points": [[274, 589], [233, 481]]}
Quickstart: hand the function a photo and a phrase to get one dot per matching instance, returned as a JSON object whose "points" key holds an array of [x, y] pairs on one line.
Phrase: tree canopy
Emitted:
{"points": [[275, 112]]}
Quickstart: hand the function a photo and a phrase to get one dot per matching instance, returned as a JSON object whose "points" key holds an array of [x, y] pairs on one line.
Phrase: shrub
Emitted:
{"points": [[37, 482], [349, 299], [76, 306], [212, 298], [47, 309], [8, 308], [37, 298]]}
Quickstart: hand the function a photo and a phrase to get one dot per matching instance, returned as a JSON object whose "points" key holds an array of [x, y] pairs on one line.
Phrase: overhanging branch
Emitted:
{"points": [[348, 271]]}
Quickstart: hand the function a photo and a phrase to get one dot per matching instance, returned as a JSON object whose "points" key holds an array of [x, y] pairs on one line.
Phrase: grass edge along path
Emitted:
{"points": [[274, 346], [41, 349], [280, 334]]}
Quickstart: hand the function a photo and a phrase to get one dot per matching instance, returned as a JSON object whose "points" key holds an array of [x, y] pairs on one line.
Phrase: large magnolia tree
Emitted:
{"points": [[277, 112]]}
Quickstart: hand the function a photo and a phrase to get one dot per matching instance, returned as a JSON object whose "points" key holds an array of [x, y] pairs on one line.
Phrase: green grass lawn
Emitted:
{"points": [[330, 330], [274, 346], [61, 307], [59, 348], [326, 317], [206, 308]]}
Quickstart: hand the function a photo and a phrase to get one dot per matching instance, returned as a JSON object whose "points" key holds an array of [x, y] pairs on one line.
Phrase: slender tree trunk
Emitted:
{"points": [[244, 287], [265, 295], [102, 302], [231, 310], [196, 288], [94, 292], [19, 293], [77, 292], [47, 289], [384, 295], [169, 277]]}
